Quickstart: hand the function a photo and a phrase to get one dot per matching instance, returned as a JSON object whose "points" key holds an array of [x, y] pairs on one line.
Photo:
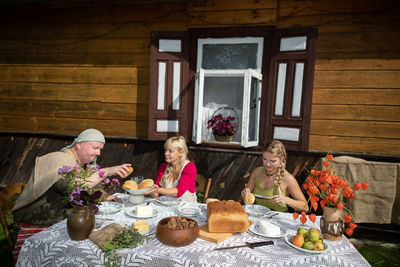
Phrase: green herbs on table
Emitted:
{"points": [[128, 238]]}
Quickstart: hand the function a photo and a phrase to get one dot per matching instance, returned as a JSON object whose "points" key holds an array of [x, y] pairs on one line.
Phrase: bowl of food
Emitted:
{"points": [[177, 231], [136, 191]]}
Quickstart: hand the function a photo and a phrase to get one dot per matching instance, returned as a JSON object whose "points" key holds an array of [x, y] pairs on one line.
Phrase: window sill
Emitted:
{"points": [[231, 147]]}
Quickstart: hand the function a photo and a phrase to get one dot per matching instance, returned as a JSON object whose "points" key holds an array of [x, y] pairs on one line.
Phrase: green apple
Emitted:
{"points": [[301, 230], [308, 245], [313, 236]]}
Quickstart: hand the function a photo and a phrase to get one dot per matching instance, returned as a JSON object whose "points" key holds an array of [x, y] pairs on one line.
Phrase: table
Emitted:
{"points": [[53, 247]]}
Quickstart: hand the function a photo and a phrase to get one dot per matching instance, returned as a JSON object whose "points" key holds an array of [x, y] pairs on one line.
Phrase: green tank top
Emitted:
{"points": [[269, 192]]}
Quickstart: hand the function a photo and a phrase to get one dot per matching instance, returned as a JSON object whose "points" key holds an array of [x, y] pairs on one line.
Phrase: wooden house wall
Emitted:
{"points": [[66, 69], [229, 171]]}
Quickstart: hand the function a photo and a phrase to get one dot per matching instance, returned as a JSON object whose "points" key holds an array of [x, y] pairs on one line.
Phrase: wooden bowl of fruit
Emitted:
{"points": [[177, 231]]}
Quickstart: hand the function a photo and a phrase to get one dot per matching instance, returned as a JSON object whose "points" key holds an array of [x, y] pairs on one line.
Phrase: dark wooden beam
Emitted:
{"points": [[199, 2]]}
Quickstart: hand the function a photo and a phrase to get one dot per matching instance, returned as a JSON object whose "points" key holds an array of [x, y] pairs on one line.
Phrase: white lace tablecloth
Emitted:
{"points": [[53, 247]]}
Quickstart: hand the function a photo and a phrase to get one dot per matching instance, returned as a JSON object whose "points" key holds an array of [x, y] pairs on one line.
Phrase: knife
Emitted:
{"points": [[260, 196], [250, 245]]}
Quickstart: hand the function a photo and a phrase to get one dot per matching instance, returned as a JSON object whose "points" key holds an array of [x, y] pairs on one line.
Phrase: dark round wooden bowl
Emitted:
{"points": [[174, 237]]}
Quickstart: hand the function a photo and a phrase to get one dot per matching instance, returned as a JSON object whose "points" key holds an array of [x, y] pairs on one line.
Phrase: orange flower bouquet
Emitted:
{"points": [[325, 188]]}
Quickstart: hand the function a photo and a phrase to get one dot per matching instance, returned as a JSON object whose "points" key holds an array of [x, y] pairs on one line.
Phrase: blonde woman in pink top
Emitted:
{"points": [[177, 176]]}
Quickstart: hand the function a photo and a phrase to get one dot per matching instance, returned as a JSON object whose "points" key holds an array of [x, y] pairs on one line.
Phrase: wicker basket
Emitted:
{"points": [[223, 138]]}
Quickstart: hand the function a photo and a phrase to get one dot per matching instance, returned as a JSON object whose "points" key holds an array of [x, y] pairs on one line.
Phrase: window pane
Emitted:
{"points": [[222, 92], [230, 56], [176, 85], [253, 120], [293, 43], [297, 90], [167, 126], [285, 133], [169, 45], [280, 89], [161, 85]]}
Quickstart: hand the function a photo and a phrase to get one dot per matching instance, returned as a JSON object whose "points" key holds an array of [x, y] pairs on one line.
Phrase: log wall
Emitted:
{"points": [[229, 171], [63, 70]]}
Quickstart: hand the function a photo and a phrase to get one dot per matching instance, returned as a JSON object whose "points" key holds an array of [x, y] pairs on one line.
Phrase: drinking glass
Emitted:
{"points": [[138, 179]]}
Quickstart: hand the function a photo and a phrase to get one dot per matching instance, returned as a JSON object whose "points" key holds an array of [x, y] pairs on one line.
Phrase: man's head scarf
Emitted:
{"points": [[87, 136]]}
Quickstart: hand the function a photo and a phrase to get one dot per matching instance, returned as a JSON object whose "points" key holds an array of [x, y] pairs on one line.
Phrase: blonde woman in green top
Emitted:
{"points": [[272, 180]]}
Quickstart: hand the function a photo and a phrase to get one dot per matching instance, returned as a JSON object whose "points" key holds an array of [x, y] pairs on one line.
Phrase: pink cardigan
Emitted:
{"points": [[187, 181]]}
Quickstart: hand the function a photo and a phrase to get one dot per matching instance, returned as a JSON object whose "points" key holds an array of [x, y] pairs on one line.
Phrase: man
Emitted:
{"points": [[43, 199]]}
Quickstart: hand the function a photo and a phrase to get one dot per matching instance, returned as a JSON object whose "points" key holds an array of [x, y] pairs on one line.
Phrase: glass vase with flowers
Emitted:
{"points": [[327, 190]]}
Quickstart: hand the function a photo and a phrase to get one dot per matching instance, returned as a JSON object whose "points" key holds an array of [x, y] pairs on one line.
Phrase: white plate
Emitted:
{"points": [[255, 230], [188, 208], [122, 196], [152, 229], [256, 210], [288, 240], [132, 212], [110, 207], [168, 201], [188, 211]]}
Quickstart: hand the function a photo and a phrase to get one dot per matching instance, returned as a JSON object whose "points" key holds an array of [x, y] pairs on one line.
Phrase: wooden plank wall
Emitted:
{"points": [[20, 151], [64, 70], [356, 97], [229, 171]]}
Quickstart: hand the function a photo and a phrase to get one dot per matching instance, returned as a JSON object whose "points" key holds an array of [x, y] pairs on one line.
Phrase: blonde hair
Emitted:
{"points": [[277, 149], [180, 143]]}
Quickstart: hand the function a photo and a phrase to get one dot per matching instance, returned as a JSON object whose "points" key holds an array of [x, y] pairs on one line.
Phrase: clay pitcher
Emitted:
{"points": [[332, 224], [80, 223]]}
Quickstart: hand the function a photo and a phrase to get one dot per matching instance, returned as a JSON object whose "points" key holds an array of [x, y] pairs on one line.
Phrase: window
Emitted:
{"points": [[228, 78], [263, 75]]}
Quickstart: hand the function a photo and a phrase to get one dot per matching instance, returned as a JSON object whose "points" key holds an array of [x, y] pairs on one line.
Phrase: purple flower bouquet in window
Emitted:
{"points": [[224, 129]]}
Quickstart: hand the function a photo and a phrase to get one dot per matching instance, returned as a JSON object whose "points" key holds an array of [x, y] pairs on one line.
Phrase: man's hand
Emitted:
{"points": [[121, 170], [113, 199]]}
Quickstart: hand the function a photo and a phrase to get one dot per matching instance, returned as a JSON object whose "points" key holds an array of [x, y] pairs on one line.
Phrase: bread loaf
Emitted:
{"points": [[146, 183], [249, 199], [211, 200], [132, 185], [226, 217]]}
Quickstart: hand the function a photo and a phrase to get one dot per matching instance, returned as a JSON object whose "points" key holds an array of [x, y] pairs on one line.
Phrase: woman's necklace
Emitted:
{"points": [[270, 173]]}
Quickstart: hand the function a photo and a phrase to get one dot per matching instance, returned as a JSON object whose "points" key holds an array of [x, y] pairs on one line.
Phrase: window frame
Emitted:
{"points": [[271, 57], [266, 32], [246, 74]]}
